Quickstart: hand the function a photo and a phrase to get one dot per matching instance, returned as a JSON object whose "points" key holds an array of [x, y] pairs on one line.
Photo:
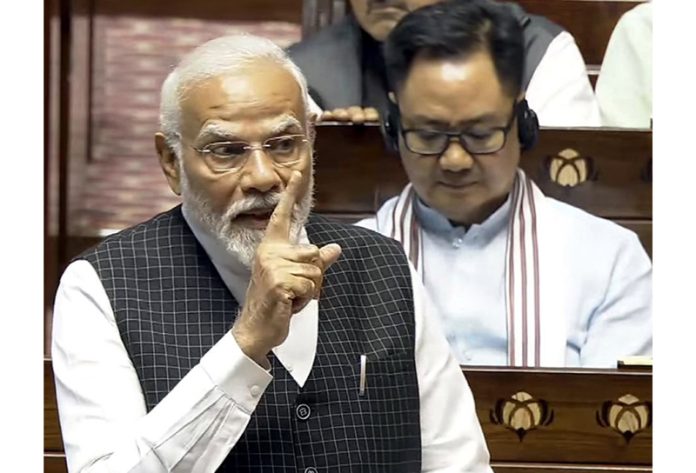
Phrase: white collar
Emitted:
{"points": [[298, 350]]}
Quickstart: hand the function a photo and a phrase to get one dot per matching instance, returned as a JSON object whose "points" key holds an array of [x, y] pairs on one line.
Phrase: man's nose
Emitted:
{"points": [[456, 158], [259, 173]]}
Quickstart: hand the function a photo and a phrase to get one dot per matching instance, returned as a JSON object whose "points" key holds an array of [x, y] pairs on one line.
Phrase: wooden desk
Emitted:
{"points": [[576, 419], [54, 456]]}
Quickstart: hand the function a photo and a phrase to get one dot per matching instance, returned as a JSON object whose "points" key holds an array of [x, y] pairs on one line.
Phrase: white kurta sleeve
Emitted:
{"points": [[622, 324], [102, 410], [624, 86], [559, 90], [451, 435]]}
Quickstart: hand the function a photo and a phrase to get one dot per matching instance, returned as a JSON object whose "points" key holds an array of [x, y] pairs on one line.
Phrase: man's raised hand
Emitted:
{"points": [[285, 276]]}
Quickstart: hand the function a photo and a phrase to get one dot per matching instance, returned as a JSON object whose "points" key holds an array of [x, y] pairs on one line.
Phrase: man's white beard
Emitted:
{"points": [[239, 241]]}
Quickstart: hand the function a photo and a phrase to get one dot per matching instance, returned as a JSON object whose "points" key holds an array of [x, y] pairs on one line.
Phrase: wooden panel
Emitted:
{"points": [[561, 468], [349, 159], [622, 162], [591, 22], [52, 61], [355, 174], [76, 244], [55, 463], [574, 400], [241, 10], [52, 438], [77, 124]]}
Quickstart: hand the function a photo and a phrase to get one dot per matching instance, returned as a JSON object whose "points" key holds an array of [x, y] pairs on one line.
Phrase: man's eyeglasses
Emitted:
{"points": [[232, 155], [433, 142]]}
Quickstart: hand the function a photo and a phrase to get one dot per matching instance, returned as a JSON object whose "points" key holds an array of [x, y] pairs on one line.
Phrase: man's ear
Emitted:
{"points": [[312, 126], [168, 162], [392, 97]]}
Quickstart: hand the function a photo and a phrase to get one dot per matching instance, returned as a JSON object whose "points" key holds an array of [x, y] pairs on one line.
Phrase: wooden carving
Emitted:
{"points": [[521, 413], [627, 416], [569, 169]]}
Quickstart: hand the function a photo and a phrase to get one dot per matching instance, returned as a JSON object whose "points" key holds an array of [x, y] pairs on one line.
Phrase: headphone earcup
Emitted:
{"points": [[390, 128], [527, 126]]}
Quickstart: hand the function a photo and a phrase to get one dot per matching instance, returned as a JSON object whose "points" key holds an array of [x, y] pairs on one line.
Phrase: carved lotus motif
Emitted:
{"points": [[569, 169], [521, 413], [628, 416]]}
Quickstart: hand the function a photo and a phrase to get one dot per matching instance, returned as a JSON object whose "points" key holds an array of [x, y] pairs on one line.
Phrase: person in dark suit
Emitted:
{"points": [[345, 69]]}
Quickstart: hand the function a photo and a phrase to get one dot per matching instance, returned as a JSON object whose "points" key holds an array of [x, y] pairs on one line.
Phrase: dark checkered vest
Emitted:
{"points": [[171, 306]]}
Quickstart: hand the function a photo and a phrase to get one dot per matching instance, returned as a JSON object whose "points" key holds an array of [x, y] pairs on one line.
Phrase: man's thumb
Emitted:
{"points": [[329, 254]]}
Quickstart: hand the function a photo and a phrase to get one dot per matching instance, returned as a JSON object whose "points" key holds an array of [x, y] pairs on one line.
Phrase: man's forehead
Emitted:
{"points": [[259, 90], [463, 85]]}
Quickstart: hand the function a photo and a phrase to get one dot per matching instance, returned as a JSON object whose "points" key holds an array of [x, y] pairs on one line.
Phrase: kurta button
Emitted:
{"points": [[255, 390], [311, 469], [303, 411]]}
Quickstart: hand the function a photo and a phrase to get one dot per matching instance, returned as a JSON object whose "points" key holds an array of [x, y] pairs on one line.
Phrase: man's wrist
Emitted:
{"points": [[250, 347]]}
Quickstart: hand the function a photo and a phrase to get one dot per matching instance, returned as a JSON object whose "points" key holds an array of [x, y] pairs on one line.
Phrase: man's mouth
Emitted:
{"points": [[257, 218], [385, 9], [387, 13], [457, 185]]}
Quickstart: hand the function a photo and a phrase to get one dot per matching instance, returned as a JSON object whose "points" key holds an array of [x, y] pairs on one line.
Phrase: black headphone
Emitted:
{"points": [[527, 126]]}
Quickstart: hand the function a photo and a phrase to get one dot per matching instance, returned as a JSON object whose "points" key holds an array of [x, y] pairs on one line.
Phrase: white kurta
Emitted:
{"points": [[103, 417], [603, 284], [560, 91]]}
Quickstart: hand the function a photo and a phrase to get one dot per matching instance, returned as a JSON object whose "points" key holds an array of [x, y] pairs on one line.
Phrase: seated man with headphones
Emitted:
{"points": [[519, 278]]}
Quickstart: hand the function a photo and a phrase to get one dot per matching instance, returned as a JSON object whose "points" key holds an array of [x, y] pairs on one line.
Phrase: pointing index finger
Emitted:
{"points": [[279, 224]]}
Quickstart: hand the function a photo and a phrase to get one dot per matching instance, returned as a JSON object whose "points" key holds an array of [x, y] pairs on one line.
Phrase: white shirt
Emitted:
{"points": [[607, 282], [103, 417], [560, 91]]}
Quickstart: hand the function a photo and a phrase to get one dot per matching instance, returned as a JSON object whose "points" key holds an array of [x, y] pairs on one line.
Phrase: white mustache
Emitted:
{"points": [[252, 203]]}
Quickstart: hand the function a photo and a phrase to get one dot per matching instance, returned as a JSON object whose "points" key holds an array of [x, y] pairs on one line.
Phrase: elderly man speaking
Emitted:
{"points": [[238, 333]]}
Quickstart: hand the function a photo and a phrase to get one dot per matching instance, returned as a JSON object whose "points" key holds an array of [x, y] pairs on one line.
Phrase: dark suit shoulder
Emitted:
{"points": [[325, 41], [330, 61]]}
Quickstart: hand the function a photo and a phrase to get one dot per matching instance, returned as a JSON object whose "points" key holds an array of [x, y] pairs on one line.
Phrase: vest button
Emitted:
{"points": [[303, 411], [311, 469]]}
